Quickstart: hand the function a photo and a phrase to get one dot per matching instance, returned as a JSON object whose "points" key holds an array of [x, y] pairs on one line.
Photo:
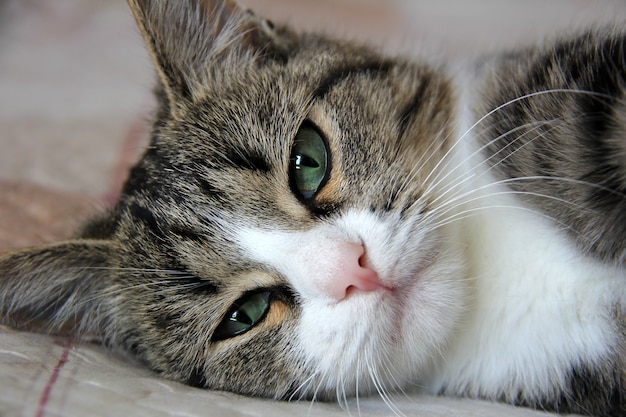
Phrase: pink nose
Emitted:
{"points": [[353, 273]]}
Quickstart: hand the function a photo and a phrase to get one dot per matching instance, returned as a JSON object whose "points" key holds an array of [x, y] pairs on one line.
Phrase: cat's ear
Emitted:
{"points": [[56, 288], [190, 39]]}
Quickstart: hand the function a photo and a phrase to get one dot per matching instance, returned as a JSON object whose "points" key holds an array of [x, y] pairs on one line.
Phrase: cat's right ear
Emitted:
{"points": [[192, 40], [56, 288]]}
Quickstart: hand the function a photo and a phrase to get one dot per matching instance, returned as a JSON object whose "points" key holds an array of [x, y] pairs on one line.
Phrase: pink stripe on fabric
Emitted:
{"points": [[45, 395]]}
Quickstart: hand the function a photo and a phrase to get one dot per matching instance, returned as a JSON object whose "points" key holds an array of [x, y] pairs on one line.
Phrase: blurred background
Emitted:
{"points": [[75, 83]]}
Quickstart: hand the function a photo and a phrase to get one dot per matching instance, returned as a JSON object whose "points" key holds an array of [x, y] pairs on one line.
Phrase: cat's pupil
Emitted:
{"points": [[304, 161], [309, 162], [243, 315]]}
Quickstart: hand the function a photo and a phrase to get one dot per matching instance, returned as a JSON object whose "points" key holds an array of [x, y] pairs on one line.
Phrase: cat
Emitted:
{"points": [[316, 220]]}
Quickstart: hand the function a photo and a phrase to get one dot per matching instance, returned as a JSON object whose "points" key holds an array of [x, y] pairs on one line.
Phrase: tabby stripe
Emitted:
{"points": [[163, 231], [602, 385], [247, 161], [147, 218], [190, 284], [341, 74], [187, 234], [413, 107], [227, 154], [210, 190], [197, 378]]}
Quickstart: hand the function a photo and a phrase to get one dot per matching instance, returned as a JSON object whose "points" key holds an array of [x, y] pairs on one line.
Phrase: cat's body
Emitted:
{"points": [[314, 220]]}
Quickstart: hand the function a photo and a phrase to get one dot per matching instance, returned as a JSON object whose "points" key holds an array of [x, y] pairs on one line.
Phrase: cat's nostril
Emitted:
{"points": [[362, 260], [353, 273]]}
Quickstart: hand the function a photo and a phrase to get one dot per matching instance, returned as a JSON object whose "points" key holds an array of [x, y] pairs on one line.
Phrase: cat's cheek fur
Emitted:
{"points": [[389, 337]]}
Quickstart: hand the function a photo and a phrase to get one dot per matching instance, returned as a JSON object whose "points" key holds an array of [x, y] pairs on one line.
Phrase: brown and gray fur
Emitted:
{"points": [[159, 272]]}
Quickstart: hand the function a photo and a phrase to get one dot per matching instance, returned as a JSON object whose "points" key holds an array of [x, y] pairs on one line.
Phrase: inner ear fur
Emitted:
{"points": [[190, 39]]}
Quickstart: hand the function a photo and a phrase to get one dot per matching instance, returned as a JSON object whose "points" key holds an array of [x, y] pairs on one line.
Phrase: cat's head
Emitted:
{"points": [[284, 234]]}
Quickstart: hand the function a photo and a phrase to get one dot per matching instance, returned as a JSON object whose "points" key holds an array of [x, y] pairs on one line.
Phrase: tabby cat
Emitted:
{"points": [[315, 220]]}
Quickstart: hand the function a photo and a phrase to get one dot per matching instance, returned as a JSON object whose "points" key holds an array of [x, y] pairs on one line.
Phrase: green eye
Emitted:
{"points": [[309, 162], [245, 314]]}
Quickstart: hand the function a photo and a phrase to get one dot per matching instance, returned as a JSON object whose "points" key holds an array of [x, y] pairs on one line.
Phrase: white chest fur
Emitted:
{"points": [[538, 306]]}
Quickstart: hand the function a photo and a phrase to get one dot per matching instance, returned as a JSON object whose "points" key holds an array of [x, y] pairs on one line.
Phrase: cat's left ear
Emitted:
{"points": [[60, 287], [191, 40]]}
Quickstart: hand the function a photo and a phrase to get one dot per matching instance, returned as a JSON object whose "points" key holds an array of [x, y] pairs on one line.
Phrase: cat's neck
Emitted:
{"points": [[526, 303]]}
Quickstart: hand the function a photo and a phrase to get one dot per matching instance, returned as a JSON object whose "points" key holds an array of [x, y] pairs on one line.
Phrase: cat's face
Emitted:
{"points": [[284, 234]]}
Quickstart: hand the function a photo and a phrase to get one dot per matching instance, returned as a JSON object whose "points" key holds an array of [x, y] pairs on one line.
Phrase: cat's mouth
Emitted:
{"points": [[400, 286], [405, 291], [405, 279], [367, 284]]}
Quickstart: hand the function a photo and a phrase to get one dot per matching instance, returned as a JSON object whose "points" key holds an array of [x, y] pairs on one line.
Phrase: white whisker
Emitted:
{"points": [[126, 269], [380, 389], [473, 175], [445, 160], [302, 388]]}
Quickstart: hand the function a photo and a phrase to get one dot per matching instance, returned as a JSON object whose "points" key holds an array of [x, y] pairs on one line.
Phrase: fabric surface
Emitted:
{"points": [[52, 376]]}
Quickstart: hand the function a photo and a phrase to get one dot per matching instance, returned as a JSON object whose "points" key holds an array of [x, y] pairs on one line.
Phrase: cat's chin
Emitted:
{"points": [[390, 336]]}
